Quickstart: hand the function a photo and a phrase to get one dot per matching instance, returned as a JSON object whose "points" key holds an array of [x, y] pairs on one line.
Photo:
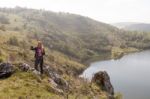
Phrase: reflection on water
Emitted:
{"points": [[129, 75]]}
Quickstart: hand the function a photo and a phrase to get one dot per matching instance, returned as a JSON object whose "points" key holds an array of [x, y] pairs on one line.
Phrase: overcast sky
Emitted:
{"points": [[109, 11]]}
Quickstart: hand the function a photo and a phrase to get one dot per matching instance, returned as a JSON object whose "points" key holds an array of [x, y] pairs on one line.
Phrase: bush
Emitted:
{"points": [[13, 41]]}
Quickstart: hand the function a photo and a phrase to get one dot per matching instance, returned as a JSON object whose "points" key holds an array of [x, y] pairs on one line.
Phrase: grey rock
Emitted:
{"points": [[102, 79], [61, 83], [36, 72], [6, 70], [25, 67], [54, 87]]}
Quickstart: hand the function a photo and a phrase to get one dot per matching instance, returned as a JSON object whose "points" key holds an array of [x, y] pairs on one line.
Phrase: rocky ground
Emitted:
{"points": [[21, 81]]}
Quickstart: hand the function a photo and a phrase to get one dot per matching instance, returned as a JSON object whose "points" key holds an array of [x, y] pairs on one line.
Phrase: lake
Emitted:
{"points": [[129, 75]]}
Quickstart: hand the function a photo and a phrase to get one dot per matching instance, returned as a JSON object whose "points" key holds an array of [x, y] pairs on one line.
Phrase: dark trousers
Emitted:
{"points": [[39, 61]]}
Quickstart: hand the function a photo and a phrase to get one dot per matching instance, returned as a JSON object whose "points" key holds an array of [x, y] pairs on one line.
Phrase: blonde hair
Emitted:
{"points": [[41, 45]]}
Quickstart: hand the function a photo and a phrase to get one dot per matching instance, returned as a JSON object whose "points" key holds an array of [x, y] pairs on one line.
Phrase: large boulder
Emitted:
{"points": [[6, 69], [102, 79]]}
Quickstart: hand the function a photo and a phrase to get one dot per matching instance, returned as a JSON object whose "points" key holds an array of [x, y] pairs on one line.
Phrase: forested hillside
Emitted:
{"points": [[74, 35], [78, 37]]}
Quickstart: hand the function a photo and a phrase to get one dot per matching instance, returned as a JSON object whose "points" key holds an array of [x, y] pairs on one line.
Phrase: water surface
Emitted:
{"points": [[129, 75]]}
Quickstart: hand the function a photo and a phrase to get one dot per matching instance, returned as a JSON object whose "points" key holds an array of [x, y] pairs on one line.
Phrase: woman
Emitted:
{"points": [[39, 53]]}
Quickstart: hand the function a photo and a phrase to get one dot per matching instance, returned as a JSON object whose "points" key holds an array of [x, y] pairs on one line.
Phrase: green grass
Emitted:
{"points": [[25, 85], [118, 52]]}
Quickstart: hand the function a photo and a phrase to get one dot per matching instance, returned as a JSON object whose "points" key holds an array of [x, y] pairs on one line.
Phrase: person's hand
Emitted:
{"points": [[31, 47]]}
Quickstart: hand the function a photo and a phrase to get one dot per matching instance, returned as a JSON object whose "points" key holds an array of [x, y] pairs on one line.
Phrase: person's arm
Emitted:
{"points": [[32, 48]]}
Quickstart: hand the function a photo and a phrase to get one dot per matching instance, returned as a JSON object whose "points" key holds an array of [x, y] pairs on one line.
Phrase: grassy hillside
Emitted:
{"points": [[74, 35], [23, 85], [70, 41], [79, 38], [15, 48]]}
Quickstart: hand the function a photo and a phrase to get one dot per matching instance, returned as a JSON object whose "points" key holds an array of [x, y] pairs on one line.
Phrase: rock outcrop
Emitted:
{"points": [[102, 79], [58, 84], [61, 83], [6, 69]]}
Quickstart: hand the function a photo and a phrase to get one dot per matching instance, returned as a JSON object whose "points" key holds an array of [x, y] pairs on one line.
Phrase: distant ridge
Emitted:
{"points": [[133, 26]]}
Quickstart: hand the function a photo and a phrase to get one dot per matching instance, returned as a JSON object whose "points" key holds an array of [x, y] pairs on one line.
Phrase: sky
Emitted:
{"points": [[108, 11]]}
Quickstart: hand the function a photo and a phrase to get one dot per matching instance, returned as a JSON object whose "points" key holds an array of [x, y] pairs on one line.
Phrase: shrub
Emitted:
{"points": [[13, 41]]}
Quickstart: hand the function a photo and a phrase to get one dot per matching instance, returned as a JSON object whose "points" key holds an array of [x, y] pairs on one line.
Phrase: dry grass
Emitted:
{"points": [[24, 85]]}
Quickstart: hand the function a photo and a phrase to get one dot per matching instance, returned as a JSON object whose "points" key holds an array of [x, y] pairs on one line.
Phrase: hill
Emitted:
{"points": [[26, 83], [70, 41], [123, 24], [77, 37], [73, 35], [80, 38], [131, 26]]}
